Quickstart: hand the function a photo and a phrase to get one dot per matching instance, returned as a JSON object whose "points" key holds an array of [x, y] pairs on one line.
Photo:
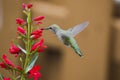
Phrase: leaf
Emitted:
{"points": [[23, 50], [1, 76], [24, 12], [21, 59], [34, 59]]}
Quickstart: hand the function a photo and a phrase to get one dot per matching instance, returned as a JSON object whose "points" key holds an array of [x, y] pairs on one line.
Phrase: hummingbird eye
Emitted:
{"points": [[50, 28]]}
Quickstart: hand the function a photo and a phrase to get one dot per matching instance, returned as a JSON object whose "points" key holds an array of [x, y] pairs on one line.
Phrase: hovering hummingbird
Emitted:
{"points": [[67, 36]]}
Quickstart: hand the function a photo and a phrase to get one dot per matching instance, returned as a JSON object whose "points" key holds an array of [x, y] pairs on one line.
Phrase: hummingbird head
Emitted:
{"points": [[54, 28]]}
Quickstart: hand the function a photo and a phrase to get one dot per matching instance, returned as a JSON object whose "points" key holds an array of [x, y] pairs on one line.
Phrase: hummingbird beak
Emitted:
{"points": [[46, 28]]}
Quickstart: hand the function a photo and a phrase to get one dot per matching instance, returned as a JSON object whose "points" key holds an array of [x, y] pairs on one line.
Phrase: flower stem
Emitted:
{"points": [[22, 77], [29, 32], [28, 45], [28, 40]]}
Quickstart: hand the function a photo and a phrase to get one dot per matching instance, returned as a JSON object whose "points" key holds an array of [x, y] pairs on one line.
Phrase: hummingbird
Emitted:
{"points": [[67, 36]]}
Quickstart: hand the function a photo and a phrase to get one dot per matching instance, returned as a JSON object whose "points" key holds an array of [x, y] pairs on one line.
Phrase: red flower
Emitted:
{"points": [[21, 30], [39, 45], [20, 21], [29, 6], [19, 67], [14, 49], [34, 72], [6, 61], [39, 23], [6, 78], [41, 49], [24, 6], [39, 18], [36, 34], [3, 65]]}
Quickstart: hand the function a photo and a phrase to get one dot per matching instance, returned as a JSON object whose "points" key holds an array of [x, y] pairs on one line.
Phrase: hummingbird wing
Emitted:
{"points": [[78, 28]]}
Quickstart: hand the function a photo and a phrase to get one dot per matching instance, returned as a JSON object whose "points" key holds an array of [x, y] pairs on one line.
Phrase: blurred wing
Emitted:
{"points": [[78, 28]]}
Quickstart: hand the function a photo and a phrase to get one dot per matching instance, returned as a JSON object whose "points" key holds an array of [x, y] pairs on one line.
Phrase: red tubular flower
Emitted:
{"points": [[41, 49], [29, 6], [36, 34], [39, 18], [39, 23], [14, 49], [2, 65], [20, 21], [6, 78], [19, 67], [39, 45], [7, 61], [24, 6], [34, 72], [21, 30]]}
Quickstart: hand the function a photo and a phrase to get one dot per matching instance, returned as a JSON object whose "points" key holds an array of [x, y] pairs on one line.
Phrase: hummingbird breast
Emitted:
{"points": [[64, 37]]}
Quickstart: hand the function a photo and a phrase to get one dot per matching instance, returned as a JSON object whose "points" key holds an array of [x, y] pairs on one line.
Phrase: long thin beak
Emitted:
{"points": [[46, 28]]}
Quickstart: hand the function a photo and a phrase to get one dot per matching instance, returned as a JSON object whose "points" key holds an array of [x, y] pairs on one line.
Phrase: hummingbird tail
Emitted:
{"points": [[77, 50]]}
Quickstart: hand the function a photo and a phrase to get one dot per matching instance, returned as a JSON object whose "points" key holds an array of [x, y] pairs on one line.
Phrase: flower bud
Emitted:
{"points": [[20, 21], [29, 6], [21, 30], [39, 18]]}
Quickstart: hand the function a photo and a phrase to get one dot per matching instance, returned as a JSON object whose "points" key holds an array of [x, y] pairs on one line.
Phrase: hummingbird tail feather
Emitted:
{"points": [[77, 50], [79, 53]]}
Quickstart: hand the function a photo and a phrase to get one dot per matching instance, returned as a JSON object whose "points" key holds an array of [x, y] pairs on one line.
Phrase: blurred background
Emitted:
{"points": [[100, 41]]}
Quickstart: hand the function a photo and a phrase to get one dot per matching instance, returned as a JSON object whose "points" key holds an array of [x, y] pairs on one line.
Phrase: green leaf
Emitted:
{"points": [[1, 76], [32, 62], [23, 50], [21, 59], [24, 12]]}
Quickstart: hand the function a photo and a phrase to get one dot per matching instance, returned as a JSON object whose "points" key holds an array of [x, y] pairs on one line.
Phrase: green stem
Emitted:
{"points": [[13, 73], [29, 32], [22, 77], [28, 45]]}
